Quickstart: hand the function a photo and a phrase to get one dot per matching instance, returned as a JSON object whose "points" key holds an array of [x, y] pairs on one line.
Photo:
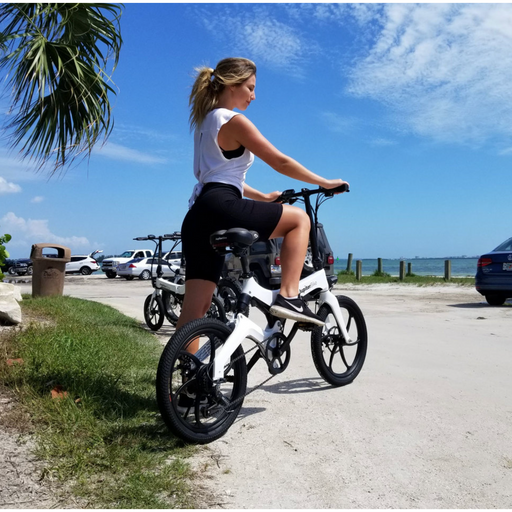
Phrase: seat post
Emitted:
{"points": [[245, 264]]}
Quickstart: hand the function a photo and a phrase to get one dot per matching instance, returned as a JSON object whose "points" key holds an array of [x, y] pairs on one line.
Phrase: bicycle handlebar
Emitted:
{"points": [[173, 236], [290, 196]]}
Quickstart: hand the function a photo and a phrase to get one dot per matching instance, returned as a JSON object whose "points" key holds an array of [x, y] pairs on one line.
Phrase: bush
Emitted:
{"points": [[3, 252]]}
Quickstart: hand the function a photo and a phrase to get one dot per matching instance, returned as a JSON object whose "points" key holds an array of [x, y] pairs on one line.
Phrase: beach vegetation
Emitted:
{"points": [[84, 378], [412, 279]]}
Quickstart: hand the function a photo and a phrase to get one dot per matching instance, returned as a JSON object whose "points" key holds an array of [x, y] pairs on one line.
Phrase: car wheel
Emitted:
{"points": [[85, 271], [30, 270], [145, 275], [110, 274], [495, 299], [12, 271], [260, 278]]}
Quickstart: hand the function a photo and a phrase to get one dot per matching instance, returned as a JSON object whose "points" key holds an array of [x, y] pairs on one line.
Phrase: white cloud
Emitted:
{"points": [[7, 187], [443, 69], [338, 123], [125, 154], [258, 35], [37, 199], [26, 232]]}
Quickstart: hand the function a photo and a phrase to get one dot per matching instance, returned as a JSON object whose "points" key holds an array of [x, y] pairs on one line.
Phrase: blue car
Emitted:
{"points": [[494, 274]]}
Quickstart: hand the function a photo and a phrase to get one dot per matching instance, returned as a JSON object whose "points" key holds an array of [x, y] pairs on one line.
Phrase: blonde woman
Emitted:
{"points": [[225, 143]]}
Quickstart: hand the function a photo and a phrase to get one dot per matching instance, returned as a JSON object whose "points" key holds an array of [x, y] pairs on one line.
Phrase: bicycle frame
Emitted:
{"points": [[315, 284]]}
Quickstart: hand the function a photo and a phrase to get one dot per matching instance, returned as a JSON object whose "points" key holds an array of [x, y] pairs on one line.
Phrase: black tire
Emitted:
{"points": [[30, 270], [495, 299], [154, 312], [12, 271], [85, 271], [145, 275], [206, 411], [260, 278], [216, 310], [336, 362], [110, 274], [172, 305], [228, 292]]}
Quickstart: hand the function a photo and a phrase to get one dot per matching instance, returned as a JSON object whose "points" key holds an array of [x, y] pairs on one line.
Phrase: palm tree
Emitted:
{"points": [[58, 59]]}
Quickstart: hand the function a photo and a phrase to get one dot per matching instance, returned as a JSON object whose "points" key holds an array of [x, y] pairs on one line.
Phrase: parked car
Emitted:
{"points": [[494, 274], [6, 266], [265, 261], [22, 266], [84, 265], [109, 265], [145, 268]]}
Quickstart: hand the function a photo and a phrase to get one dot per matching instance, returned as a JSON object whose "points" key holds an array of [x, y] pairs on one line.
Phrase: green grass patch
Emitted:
{"points": [[383, 277], [105, 437]]}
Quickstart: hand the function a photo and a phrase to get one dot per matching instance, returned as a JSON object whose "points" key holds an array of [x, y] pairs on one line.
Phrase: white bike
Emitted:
{"points": [[200, 394], [168, 294]]}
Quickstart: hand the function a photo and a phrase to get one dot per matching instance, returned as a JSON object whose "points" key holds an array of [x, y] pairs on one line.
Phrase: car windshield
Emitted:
{"points": [[126, 254], [505, 246]]}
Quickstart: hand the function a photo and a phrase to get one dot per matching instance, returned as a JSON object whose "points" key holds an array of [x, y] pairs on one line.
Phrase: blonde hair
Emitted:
{"points": [[209, 83]]}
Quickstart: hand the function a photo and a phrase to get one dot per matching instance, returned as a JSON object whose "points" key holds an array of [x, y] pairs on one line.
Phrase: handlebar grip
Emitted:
{"points": [[336, 190], [285, 196]]}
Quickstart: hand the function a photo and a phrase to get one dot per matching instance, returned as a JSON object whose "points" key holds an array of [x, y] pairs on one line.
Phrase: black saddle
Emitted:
{"points": [[235, 240]]}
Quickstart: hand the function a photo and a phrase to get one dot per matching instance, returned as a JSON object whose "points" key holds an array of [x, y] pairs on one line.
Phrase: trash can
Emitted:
{"points": [[49, 271]]}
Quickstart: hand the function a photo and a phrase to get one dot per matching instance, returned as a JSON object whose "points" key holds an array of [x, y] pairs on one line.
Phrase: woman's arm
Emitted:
{"points": [[252, 193], [242, 131]]}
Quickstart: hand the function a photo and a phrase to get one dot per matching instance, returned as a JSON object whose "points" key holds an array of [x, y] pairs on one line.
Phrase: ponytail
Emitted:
{"points": [[209, 83]]}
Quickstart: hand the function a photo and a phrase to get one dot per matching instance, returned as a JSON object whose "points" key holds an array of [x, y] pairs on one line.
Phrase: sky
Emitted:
{"points": [[409, 103]]}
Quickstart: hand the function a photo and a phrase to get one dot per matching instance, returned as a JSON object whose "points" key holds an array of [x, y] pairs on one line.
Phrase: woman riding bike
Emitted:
{"points": [[225, 143]]}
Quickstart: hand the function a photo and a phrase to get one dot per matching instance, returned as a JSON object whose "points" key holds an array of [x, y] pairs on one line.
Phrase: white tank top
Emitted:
{"points": [[210, 165]]}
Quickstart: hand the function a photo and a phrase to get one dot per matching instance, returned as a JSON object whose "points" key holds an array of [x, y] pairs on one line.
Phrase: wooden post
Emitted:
{"points": [[349, 263], [359, 270], [447, 270], [402, 270], [409, 269], [379, 266]]}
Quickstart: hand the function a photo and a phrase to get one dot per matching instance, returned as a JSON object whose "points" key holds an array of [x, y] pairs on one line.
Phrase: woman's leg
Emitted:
{"points": [[197, 301], [294, 227]]}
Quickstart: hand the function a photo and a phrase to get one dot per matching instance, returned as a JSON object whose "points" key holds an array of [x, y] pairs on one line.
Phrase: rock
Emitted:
{"points": [[10, 311]]}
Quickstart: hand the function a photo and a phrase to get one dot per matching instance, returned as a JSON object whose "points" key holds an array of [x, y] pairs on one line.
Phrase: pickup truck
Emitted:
{"points": [[109, 265]]}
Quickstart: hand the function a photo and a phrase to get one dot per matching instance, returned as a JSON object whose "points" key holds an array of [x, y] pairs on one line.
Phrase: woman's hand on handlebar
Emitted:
{"points": [[335, 184], [273, 196]]}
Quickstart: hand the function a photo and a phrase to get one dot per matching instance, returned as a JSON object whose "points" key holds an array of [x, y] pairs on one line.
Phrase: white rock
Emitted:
{"points": [[10, 310]]}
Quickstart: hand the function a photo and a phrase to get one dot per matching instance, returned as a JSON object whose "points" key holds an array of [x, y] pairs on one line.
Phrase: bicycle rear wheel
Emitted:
{"points": [[338, 362], [154, 312], [193, 407]]}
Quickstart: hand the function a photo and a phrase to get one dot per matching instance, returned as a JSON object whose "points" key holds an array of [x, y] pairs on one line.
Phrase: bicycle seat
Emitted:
{"points": [[235, 240]]}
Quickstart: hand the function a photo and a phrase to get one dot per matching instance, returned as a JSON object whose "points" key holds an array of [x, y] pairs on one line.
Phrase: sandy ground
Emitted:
{"points": [[427, 424]]}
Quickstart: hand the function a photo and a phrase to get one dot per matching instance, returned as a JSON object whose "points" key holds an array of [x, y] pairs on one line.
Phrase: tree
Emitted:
{"points": [[58, 59]]}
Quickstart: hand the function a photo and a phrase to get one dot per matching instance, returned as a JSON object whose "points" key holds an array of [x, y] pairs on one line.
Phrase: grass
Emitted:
{"points": [[104, 438], [383, 277]]}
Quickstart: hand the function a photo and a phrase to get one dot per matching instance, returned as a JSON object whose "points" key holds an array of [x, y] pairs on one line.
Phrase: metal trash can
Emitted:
{"points": [[49, 271]]}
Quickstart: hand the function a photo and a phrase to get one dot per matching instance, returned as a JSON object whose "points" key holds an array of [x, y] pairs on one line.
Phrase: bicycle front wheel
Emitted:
{"points": [[195, 408], [154, 312], [337, 361]]}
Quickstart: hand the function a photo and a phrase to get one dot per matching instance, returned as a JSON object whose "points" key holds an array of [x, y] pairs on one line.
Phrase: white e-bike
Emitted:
{"points": [[200, 394]]}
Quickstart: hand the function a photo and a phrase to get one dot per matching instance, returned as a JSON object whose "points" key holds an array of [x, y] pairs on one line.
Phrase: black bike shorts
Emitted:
{"points": [[221, 206]]}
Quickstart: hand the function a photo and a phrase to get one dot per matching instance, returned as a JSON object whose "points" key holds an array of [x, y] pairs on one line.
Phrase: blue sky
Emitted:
{"points": [[410, 103]]}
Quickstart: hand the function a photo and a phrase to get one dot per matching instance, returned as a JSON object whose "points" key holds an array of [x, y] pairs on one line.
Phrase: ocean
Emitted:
{"points": [[461, 267]]}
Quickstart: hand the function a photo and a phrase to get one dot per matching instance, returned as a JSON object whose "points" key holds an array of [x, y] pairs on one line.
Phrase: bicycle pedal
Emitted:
{"points": [[303, 326]]}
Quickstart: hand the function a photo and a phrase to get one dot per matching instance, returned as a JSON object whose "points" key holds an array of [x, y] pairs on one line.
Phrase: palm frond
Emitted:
{"points": [[59, 59]]}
